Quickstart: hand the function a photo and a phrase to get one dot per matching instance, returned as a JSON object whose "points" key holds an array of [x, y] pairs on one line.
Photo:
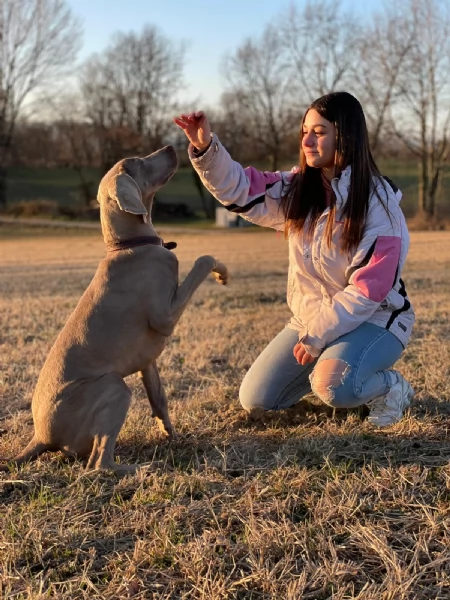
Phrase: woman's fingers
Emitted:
{"points": [[178, 121], [302, 356], [191, 122], [298, 352], [194, 117]]}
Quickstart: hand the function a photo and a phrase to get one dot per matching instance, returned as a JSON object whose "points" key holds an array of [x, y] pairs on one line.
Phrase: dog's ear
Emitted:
{"points": [[125, 191]]}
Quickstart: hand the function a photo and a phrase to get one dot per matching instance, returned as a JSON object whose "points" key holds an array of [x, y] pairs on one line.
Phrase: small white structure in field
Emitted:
{"points": [[225, 218]]}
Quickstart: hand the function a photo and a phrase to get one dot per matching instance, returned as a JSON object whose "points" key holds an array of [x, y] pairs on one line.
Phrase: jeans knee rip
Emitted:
{"points": [[325, 383]]}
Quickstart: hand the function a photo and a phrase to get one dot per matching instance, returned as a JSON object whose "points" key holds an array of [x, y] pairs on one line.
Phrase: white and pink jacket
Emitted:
{"points": [[329, 293]]}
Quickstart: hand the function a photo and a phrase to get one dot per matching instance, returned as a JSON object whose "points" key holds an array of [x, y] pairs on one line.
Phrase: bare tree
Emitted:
{"points": [[74, 136], [321, 39], [383, 49], [131, 92], [34, 145], [39, 40], [422, 120], [232, 126], [260, 80], [79, 141]]}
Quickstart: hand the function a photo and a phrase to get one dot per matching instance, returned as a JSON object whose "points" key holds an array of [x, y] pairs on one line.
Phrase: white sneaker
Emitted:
{"points": [[388, 409]]}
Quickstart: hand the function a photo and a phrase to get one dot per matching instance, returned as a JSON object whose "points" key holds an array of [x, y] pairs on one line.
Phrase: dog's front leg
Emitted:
{"points": [[157, 398], [203, 266], [163, 318]]}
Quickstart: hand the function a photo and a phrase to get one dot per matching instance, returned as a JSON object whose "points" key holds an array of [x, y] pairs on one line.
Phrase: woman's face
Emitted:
{"points": [[318, 141]]}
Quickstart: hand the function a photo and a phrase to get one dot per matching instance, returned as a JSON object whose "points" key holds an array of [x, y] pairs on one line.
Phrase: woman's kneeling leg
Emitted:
{"points": [[276, 380], [355, 368]]}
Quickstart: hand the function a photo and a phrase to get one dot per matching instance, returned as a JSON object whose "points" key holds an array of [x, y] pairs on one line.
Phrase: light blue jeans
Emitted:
{"points": [[351, 371]]}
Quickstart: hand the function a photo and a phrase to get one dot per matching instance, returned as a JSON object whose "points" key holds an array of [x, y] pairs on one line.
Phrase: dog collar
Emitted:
{"points": [[144, 240]]}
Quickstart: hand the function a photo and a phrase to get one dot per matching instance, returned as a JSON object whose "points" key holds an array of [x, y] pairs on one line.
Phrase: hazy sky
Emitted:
{"points": [[210, 27]]}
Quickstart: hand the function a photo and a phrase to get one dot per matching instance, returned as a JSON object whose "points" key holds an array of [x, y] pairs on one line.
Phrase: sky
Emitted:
{"points": [[211, 28]]}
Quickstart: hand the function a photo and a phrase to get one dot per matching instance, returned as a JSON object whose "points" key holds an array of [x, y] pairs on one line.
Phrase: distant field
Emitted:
{"points": [[300, 504], [63, 185]]}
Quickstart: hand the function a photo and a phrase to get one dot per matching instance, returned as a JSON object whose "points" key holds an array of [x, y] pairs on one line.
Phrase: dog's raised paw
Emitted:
{"points": [[220, 273]]}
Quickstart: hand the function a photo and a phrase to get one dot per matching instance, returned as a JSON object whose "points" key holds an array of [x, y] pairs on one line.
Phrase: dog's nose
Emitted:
{"points": [[169, 149], [171, 154]]}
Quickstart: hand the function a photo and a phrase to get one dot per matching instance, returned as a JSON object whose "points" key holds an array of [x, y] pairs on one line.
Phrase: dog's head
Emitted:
{"points": [[131, 184]]}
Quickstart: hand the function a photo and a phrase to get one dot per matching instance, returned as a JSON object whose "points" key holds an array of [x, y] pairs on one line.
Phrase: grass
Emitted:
{"points": [[299, 504]]}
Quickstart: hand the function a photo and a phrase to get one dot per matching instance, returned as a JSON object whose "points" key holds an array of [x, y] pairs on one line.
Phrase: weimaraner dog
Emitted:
{"points": [[120, 325]]}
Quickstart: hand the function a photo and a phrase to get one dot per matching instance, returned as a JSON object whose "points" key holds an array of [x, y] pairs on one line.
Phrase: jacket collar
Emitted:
{"points": [[341, 186]]}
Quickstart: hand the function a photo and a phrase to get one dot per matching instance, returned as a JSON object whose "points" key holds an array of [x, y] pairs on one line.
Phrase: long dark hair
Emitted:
{"points": [[305, 200]]}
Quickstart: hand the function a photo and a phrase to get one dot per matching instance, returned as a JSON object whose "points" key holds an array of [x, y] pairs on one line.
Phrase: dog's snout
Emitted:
{"points": [[171, 155], [168, 151]]}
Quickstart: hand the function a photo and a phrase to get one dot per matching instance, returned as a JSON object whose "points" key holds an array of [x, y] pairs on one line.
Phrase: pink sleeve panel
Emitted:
{"points": [[260, 180], [375, 280]]}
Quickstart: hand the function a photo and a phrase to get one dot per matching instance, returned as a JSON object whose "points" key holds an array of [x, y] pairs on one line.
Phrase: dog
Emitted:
{"points": [[119, 327]]}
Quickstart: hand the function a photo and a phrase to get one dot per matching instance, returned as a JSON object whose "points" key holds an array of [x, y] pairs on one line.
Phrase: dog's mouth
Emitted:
{"points": [[170, 175]]}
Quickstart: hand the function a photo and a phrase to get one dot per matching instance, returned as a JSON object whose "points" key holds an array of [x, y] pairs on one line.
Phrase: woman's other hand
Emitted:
{"points": [[302, 356], [196, 127]]}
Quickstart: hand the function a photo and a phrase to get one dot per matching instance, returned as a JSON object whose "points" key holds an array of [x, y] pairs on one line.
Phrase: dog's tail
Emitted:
{"points": [[31, 452]]}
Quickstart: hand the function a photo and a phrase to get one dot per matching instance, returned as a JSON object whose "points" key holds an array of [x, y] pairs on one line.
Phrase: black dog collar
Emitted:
{"points": [[145, 240]]}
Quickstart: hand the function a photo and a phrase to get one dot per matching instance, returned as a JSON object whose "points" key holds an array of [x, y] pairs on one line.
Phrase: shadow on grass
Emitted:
{"points": [[308, 436], [68, 559], [204, 479]]}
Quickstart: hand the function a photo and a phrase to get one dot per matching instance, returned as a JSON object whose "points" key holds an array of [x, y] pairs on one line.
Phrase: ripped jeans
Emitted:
{"points": [[350, 371]]}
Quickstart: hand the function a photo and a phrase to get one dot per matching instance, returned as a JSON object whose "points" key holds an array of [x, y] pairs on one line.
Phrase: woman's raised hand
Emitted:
{"points": [[197, 129]]}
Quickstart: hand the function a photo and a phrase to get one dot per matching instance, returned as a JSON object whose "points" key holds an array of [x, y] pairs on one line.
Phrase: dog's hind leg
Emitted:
{"points": [[32, 451], [111, 407], [157, 398]]}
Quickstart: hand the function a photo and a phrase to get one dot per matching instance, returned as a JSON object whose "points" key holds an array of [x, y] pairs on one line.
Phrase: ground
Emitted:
{"points": [[299, 504]]}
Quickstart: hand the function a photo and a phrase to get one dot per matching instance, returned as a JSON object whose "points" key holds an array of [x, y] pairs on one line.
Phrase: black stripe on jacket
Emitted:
{"points": [[235, 208], [405, 307], [363, 263], [391, 183]]}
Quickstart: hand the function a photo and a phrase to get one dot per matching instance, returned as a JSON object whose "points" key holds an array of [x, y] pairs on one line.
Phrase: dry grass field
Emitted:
{"points": [[302, 504]]}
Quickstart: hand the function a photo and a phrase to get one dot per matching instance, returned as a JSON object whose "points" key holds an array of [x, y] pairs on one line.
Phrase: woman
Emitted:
{"points": [[348, 243]]}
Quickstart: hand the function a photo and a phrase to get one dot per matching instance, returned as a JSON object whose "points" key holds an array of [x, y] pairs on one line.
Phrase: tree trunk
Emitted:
{"points": [[85, 186], [433, 193], [208, 206], [3, 188], [274, 158], [422, 199]]}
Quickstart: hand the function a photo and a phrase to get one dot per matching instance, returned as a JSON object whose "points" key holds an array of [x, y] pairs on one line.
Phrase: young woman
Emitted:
{"points": [[348, 241]]}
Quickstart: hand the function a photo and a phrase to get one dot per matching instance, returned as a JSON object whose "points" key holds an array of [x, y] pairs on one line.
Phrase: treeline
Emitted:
{"points": [[122, 100]]}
